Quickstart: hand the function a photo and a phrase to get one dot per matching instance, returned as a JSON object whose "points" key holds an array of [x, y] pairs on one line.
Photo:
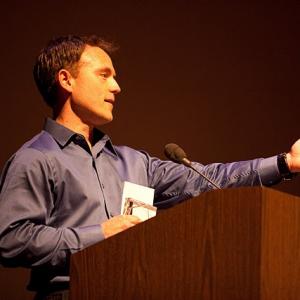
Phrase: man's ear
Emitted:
{"points": [[65, 78]]}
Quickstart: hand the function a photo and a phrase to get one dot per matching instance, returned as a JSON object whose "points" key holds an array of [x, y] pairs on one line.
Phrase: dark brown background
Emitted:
{"points": [[220, 80]]}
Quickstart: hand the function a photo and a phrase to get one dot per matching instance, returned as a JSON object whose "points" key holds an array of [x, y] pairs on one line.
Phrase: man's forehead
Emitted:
{"points": [[95, 55]]}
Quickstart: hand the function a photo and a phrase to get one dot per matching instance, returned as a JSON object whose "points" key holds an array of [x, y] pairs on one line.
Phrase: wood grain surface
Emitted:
{"points": [[228, 244]]}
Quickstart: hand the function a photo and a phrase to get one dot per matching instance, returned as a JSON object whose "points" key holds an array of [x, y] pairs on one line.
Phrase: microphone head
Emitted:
{"points": [[174, 153]]}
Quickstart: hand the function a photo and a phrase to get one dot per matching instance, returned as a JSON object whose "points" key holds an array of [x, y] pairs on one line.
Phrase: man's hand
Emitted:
{"points": [[118, 224], [293, 157]]}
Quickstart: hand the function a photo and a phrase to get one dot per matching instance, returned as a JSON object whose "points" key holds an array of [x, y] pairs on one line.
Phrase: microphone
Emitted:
{"points": [[176, 154]]}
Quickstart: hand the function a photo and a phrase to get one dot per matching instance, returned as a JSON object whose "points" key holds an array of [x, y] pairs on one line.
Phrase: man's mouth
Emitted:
{"points": [[112, 101]]}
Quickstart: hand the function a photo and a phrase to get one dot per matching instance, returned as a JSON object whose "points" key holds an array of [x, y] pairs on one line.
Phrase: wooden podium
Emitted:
{"points": [[227, 244]]}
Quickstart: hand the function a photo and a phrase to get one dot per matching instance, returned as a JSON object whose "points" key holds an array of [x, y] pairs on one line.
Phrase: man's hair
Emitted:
{"points": [[62, 53]]}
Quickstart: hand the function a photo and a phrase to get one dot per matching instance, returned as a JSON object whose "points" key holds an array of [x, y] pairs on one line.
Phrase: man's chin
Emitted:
{"points": [[101, 120]]}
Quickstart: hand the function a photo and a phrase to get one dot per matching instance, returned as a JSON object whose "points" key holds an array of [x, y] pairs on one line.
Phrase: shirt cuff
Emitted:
{"points": [[90, 235], [268, 171]]}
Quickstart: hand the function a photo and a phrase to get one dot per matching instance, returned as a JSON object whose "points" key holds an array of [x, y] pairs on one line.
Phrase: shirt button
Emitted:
{"points": [[78, 140]]}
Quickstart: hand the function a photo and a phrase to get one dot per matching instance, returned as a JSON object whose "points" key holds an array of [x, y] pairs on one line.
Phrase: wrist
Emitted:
{"points": [[284, 163], [289, 161]]}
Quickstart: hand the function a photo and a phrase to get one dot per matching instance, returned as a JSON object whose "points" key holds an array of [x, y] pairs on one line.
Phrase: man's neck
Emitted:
{"points": [[76, 125]]}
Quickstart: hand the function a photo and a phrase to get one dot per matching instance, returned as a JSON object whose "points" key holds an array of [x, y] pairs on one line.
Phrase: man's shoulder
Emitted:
{"points": [[33, 155], [35, 149], [133, 156], [126, 151], [42, 142]]}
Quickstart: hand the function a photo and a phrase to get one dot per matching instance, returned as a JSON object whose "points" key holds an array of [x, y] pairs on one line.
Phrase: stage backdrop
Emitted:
{"points": [[219, 80]]}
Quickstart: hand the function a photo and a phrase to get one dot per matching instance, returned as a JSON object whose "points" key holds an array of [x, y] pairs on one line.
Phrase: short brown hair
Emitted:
{"points": [[62, 53]]}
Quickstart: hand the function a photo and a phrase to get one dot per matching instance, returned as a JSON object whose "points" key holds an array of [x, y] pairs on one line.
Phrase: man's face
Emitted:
{"points": [[94, 88]]}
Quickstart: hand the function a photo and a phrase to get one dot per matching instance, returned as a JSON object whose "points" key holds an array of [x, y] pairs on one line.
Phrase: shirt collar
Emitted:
{"points": [[64, 135]]}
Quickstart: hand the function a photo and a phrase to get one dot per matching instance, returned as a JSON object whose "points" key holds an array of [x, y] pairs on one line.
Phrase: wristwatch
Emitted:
{"points": [[283, 167]]}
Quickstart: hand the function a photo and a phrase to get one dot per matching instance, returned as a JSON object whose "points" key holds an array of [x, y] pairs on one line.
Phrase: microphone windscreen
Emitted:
{"points": [[174, 153]]}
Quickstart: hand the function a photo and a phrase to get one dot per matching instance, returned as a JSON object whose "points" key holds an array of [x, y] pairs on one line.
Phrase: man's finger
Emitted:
{"points": [[133, 219]]}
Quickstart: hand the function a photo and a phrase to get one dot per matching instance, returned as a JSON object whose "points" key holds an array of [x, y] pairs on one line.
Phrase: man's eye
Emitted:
{"points": [[104, 75]]}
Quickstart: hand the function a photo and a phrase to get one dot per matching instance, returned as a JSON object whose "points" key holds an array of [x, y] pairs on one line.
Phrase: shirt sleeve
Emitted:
{"points": [[26, 206], [174, 183]]}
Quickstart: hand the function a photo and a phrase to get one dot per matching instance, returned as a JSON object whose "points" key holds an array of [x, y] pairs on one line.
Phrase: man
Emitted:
{"points": [[61, 192]]}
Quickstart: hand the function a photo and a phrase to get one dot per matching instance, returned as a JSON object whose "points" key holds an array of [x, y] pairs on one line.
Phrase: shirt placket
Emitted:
{"points": [[80, 140], [101, 185]]}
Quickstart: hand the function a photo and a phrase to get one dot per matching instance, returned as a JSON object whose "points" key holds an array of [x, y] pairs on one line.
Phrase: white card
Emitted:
{"points": [[143, 195]]}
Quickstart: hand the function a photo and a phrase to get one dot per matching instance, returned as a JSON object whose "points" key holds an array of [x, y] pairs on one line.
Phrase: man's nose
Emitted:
{"points": [[115, 88]]}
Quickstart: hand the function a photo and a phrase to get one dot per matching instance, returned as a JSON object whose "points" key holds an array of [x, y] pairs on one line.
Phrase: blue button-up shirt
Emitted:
{"points": [[56, 191]]}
